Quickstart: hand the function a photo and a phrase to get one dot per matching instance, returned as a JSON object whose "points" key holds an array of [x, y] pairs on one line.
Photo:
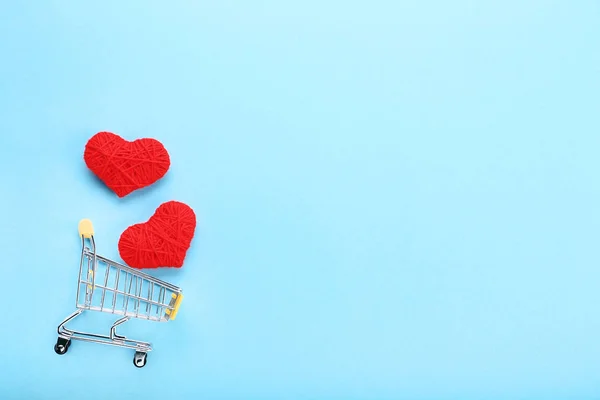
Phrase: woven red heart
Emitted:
{"points": [[126, 166], [163, 241]]}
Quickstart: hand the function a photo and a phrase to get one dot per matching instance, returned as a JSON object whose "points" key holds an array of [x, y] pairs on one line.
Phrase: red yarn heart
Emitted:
{"points": [[163, 241], [126, 166]]}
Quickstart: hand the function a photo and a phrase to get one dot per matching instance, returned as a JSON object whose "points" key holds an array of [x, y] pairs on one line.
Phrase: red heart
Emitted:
{"points": [[126, 166], [163, 241]]}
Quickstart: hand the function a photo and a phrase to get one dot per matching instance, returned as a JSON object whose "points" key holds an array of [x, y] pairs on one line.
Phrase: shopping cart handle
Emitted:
{"points": [[86, 229]]}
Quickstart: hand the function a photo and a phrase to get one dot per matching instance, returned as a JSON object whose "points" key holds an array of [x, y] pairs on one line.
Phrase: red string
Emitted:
{"points": [[163, 241]]}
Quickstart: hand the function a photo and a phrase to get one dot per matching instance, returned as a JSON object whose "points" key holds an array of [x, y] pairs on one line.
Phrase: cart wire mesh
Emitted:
{"points": [[111, 287]]}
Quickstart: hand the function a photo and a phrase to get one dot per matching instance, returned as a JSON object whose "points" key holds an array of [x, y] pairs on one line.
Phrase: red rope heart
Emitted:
{"points": [[126, 166], [162, 241]]}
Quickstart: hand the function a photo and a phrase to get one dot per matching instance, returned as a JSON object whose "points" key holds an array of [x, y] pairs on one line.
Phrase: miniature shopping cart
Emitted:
{"points": [[114, 288]]}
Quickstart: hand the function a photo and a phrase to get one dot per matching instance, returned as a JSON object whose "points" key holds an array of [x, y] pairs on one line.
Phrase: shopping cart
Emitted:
{"points": [[114, 288]]}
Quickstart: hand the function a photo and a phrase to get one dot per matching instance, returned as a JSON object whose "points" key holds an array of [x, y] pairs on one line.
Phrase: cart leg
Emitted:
{"points": [[64, 332], [64, 335], [113, 329]]}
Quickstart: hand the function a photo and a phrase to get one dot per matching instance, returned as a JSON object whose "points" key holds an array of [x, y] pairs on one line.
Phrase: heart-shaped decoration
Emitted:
{"points": [[162, 241], [126, 166]]}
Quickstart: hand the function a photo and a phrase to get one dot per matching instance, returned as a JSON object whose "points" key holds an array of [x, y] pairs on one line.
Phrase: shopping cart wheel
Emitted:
{"points": [[62, 345], [139, 359]]}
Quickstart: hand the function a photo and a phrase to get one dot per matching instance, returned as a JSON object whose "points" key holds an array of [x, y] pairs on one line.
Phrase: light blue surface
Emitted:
{"points": [[396, 199]]}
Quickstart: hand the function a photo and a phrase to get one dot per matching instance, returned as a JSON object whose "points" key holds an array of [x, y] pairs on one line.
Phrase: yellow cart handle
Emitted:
{"points": [[86, 229]]}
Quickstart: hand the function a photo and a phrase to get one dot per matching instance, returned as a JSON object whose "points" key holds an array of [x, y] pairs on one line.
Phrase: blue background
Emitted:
{"points": [[396, 199]]}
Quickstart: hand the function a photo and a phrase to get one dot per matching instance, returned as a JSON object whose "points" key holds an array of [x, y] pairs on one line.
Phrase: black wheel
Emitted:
{"points": [[62, 346], [139, 359]]}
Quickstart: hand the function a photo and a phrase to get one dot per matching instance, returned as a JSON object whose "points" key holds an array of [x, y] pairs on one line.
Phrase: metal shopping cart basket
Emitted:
{"points": [[114, 288]]}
